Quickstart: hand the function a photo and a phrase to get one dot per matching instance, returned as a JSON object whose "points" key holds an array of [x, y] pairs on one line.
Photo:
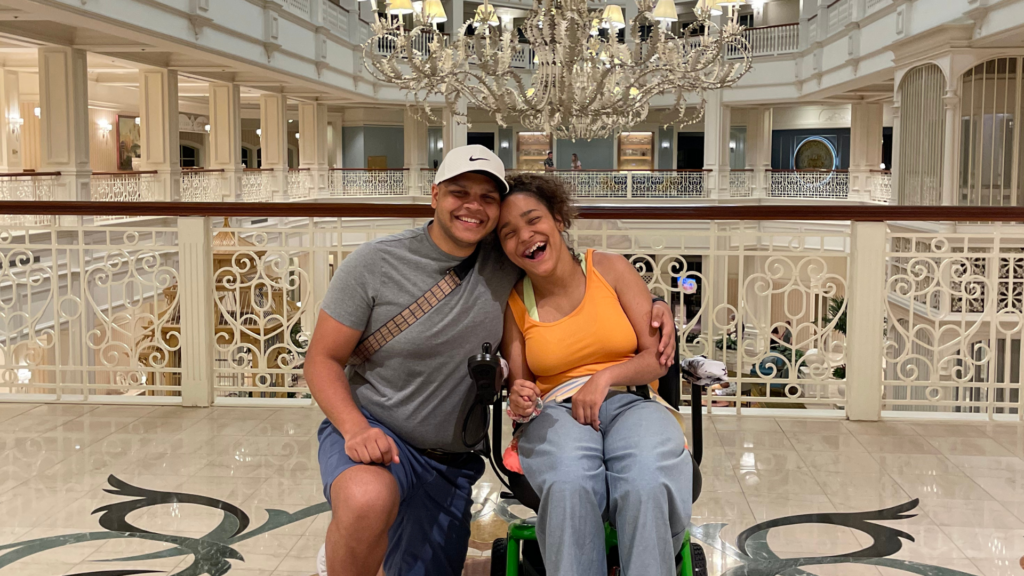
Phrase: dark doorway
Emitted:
{"points": [[189, 156], [690, 151], [485, 139], [887, 148]]}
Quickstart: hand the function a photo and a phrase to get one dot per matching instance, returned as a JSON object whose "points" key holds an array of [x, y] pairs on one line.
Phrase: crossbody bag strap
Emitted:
{"points": [[403, 320]]}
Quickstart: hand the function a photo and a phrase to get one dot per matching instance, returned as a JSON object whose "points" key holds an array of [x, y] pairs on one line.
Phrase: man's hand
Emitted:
{"points": [[661, 317], [522, 397], [371, 446], [586, 403]]}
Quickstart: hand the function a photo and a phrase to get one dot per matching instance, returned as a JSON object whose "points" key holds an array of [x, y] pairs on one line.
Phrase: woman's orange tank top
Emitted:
{"points": [[595, 335]]}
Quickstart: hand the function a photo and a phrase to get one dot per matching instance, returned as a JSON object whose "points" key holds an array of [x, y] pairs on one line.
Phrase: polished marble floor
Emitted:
{"points": [[61, 464]]}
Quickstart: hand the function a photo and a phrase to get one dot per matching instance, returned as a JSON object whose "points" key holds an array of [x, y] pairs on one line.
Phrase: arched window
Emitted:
{"points": [[989, 138], [922, 133]]}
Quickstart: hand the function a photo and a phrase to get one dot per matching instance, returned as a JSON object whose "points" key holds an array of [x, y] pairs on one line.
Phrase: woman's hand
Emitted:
{"points": [[522, 397], [586, 403], [661, 317]]}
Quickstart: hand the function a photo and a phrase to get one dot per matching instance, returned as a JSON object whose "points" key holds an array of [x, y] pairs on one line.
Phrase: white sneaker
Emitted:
{"points": [[321, 561]]}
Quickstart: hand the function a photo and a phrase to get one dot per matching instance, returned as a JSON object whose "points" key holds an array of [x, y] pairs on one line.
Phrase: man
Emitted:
{"points": [[549, 163], [393, 460]]}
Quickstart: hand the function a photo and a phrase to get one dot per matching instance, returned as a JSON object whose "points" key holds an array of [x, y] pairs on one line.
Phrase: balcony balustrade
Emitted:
{"points": [[140, 314]]}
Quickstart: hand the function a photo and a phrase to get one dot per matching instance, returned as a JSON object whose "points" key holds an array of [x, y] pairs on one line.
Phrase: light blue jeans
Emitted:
{"points": [[635, 473]]}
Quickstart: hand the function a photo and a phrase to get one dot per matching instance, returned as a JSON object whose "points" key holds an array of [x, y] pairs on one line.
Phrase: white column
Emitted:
{"points": [[159, 129], [313, 146], [865, 148], [456, 16], [415, 151], [895, 185], [64, 120], [274, 143], [759, 149], [12, 123], [717, 119], [455, 132], [335, 153], [196, 283], [866, 295], [225, 150], [949, 149]]}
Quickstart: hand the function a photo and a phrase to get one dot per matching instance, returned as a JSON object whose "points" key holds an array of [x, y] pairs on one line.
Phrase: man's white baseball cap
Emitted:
{"points": [[472, 158]]}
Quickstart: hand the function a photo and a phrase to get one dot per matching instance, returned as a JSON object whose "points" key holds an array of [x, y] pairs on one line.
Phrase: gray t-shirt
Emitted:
{"points": [[418, 384]]}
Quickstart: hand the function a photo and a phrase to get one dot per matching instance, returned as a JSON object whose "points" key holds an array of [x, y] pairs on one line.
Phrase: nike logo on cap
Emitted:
{"points": [[471, 159]]}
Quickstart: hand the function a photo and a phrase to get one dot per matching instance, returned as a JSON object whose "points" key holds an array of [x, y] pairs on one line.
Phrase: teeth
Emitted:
{"points": [[534, 248], [470, 220]]}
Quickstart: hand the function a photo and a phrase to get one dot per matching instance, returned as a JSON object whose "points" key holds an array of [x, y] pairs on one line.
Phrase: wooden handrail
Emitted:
{"points": [[882, 171], [773, 26], [28, 173], [805, 170], [625, 212], [369, 169], [812, 17], [257, 169], [298, 169], [834, 2], [194, 170], [126, 173], [741, 169]]}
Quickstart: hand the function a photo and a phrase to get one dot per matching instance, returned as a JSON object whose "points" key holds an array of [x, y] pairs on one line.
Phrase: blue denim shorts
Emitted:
{"points": [[430, 536]]}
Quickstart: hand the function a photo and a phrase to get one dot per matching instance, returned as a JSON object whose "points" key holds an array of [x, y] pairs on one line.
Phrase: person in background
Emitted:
{"points": [[549, 163], [576, 162]]}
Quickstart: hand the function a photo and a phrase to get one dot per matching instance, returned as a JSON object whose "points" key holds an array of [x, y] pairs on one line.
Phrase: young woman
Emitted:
{"points": [[576, 165], [577, 333]]}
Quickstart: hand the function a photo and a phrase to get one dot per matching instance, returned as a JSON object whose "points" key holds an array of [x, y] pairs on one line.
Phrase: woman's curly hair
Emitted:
{"points": [[549, 191]]}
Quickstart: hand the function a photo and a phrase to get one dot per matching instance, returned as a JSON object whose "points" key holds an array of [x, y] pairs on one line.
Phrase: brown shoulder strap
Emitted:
{"points": [[418, 309]]}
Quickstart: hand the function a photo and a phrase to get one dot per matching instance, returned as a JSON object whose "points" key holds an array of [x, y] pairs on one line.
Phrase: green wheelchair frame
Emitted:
{"points": [[692, 558]]}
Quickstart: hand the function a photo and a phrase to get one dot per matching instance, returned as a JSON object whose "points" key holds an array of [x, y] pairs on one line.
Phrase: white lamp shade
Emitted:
{"points": [[613, 17], [400, 7], [665, 11], [434, 11]]}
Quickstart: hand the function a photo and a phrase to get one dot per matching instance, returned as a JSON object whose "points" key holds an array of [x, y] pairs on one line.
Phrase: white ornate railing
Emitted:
{"points": [[365, 182], [300, 7], [741, 183], [122, 187], [949, 342], [771, 40], [421, 43], [426, 180], [838, 15], [812, 29], [818, 184], [256, 185], [523, 58], [24, 187], [881, 186], [202, 185], [668, 184], [335, 18], [298, 184]]}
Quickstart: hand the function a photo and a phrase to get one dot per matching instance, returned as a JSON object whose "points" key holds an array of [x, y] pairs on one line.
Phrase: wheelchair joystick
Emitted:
{"points": [[487, 375]]}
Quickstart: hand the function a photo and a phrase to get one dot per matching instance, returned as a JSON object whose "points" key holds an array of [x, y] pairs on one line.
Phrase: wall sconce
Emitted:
{"points": [[732, 145], [665, 144], [14, 123], [259, 132], [138, 120], [440, 144], [37, 111], [105, 128], [207, 128], [296, 135], [504, 144]]}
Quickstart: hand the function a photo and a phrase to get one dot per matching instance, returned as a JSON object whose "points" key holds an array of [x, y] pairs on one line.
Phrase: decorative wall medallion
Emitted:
{"points": [[814, 153]]}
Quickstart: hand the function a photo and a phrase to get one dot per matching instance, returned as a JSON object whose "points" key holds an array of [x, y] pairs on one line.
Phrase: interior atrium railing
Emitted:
{"points": [[856, 310]]}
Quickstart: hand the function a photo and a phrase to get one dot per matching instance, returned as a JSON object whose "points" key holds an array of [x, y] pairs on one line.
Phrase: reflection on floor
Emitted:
{"points": [[140, 490]]}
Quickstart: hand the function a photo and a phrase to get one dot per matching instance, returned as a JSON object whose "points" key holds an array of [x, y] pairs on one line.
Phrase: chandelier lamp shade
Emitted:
{"points": [[574, 76]]}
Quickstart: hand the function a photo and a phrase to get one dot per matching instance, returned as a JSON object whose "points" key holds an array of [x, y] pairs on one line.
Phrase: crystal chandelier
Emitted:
{"points": [[573, 77]]}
